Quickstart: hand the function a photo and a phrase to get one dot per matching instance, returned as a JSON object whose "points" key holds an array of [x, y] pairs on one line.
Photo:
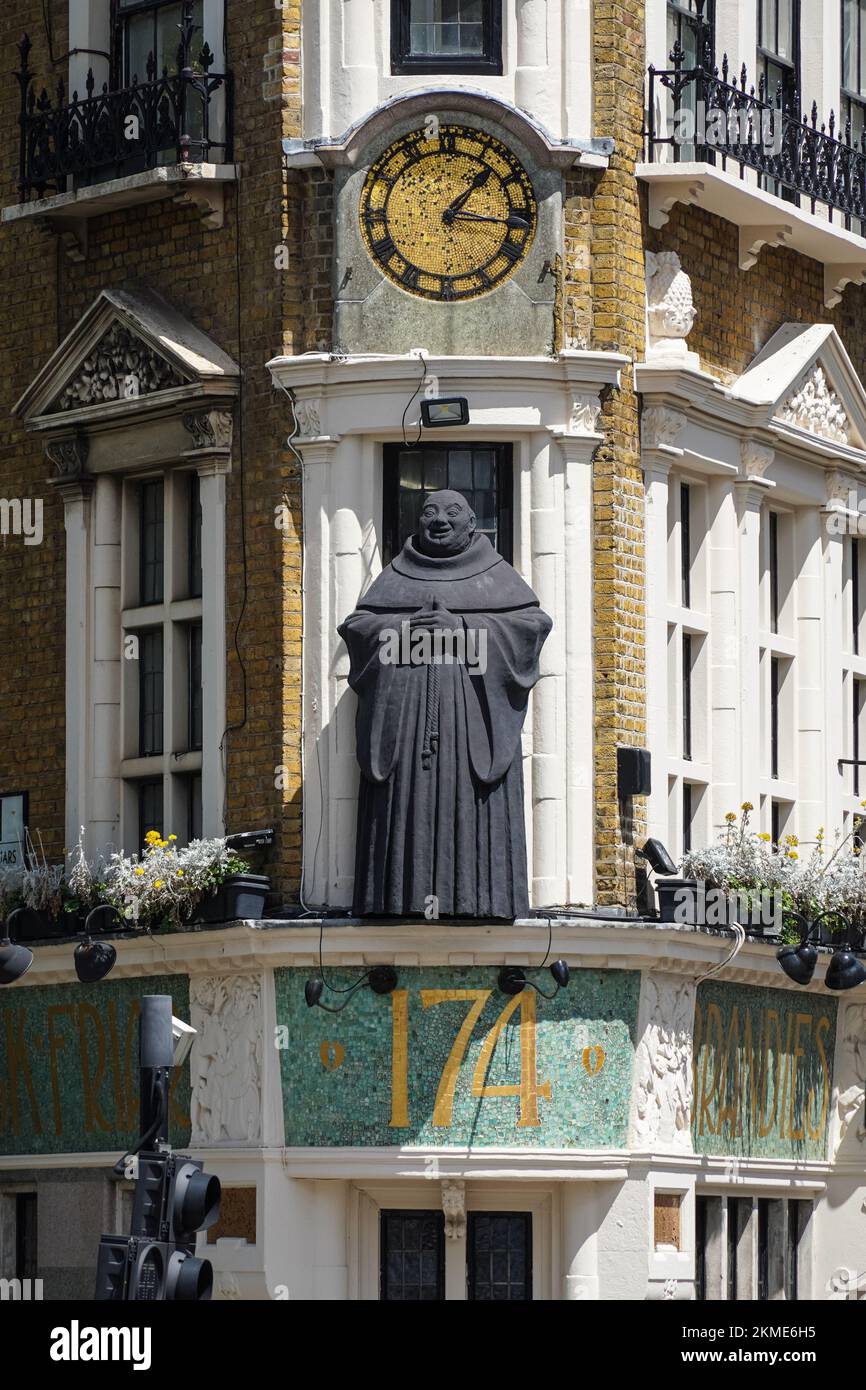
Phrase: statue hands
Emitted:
{"points": [[433, 615]]}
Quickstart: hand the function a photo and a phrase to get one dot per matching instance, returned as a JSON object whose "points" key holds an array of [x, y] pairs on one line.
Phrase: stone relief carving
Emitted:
{"points": [[670, 309], [210, 429], [120, 366], [454, 1207], [850, 1080], [659, 425], [663, 1065], [307, 418], [815, 407], [226, 1065], [585, 411], [69, 456], [756, 458]]}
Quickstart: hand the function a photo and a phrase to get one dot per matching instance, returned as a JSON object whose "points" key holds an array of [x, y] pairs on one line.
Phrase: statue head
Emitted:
{"points": [[446, 525]]}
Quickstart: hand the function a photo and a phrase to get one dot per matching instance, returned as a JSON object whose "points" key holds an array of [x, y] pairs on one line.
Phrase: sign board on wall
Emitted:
{"points": [[763, 1071], [447, 1059], [69, 1066], [13, 829]]}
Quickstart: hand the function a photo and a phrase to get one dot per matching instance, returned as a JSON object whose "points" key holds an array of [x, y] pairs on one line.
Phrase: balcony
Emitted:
{"points": [[167, 136], [743, 155]]}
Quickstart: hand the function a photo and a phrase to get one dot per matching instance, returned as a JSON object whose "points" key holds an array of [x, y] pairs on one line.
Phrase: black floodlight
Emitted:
{"points": [[657, 857], [444, 410]]}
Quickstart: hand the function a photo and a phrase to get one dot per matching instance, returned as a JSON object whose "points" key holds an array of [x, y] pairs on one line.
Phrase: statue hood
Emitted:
{"points": [[477, 580]]}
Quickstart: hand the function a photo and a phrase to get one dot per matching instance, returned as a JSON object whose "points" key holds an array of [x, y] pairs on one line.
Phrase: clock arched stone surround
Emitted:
{"points": [[514, 319]]}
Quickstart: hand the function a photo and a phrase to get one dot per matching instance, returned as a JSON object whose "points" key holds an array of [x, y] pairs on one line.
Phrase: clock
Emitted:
{"points": [[448, 215]]}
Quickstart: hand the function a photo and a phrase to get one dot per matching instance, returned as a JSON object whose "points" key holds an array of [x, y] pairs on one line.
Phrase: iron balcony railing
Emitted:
{"points": [[698, 113], [183, 116]]}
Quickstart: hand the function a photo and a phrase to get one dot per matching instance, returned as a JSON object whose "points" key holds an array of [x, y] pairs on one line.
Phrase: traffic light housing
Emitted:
{"points": [[174, 1199]]}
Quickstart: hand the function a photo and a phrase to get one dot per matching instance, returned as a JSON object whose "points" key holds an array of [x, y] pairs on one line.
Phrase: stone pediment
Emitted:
{"points": [[807, 382], [128, 349]]}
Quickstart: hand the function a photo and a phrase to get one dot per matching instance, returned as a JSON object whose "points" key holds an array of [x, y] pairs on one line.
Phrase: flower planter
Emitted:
{"points": [[240, 896], [31, 924], [679, 901]]}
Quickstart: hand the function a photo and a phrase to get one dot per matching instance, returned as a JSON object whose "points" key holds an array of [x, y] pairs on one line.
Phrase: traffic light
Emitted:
{"points": [[174, 1199]]}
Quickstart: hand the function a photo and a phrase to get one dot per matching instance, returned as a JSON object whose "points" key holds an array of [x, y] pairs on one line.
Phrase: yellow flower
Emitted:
{"points": [[139, 871], [792, 854], [172, 837], [179, 873], [158, 883], [791, 840], [747, 806], [765, 836], [730, 817], [152, 837]]}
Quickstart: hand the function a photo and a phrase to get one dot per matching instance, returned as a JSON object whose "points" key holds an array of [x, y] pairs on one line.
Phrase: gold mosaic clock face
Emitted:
{"points": [[448, 216]]}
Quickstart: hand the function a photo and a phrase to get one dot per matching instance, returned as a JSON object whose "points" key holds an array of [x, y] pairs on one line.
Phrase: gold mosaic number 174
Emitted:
{"points": [[528, 1089]]}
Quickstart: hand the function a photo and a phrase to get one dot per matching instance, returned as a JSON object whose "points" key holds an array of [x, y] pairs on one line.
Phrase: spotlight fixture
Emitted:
{"points": [[445, 410], [845, 971], [15, 960], [381, 979], [654, 852], [512, 979], [95, 959]]}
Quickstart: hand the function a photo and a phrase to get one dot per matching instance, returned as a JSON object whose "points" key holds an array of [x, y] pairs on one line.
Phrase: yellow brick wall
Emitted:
{"points": [[226, 281]]}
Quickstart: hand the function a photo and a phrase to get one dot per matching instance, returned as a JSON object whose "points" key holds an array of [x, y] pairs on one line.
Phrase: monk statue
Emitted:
{"points": [[444, 650]]}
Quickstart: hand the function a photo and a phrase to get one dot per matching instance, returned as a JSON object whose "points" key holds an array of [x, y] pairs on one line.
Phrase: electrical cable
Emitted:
{"points": [[417, 440]]}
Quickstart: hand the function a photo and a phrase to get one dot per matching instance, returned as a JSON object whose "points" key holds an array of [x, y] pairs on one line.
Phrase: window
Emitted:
{"points": [[499, 1253], [446, 36], [688, 817], [858, 688], [25, 1236], [685, 545], [779, 65], [150, 27], [853, 103], [481, 472], [162, 707], [687, 695], [690, 29], [412, 1256], [730, 1231], [856, 606], [774, 571]]}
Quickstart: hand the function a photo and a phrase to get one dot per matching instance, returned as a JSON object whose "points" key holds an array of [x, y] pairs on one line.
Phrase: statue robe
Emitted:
{"points": [[441, 827]]}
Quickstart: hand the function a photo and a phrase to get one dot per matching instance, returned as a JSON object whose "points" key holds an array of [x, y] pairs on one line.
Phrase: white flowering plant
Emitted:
{"points": [[748, 863], [164, 885]]}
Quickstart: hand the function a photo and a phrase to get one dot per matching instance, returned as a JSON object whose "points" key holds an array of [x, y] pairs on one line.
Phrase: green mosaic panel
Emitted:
{"points": [[69, 1065], [398, 1070], [763, 1071]]}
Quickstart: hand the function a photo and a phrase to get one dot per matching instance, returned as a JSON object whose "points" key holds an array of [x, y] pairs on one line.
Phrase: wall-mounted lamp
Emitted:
{"points": [[512, 979], [381, 979], [845, 971], [444, 410], [95, 959], [15, 960]]}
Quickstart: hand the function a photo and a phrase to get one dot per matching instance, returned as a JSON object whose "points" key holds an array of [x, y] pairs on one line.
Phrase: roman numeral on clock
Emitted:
{"points": [[384, 247], [511, 251]]}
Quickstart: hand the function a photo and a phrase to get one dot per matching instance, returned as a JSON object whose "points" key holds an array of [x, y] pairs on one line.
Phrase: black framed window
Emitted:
{"points": [[856, 606], [701, 1232], [150, 811], [690, 22], [779, 65], [446, 36], [686, 544], [481, 472], [775, 823], [499, 1256], [774, 571], [194, 805], [412, 1256], [798, 1219], [739, 1215], [145, 27], [150, 693], [194, 539], [26, 1265], [688, 815], [853, 103], [775, 686], [687, 695], [857, 688], [195, 689], [151, 542]]}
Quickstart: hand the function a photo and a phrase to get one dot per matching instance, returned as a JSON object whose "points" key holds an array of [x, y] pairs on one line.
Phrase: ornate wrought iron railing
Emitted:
{"points": [[709, 118], [183, 117]]}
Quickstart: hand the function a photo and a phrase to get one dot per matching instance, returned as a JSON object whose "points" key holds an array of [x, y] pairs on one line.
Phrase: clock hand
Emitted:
{"points": [[478, 182], [512, 221]]}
